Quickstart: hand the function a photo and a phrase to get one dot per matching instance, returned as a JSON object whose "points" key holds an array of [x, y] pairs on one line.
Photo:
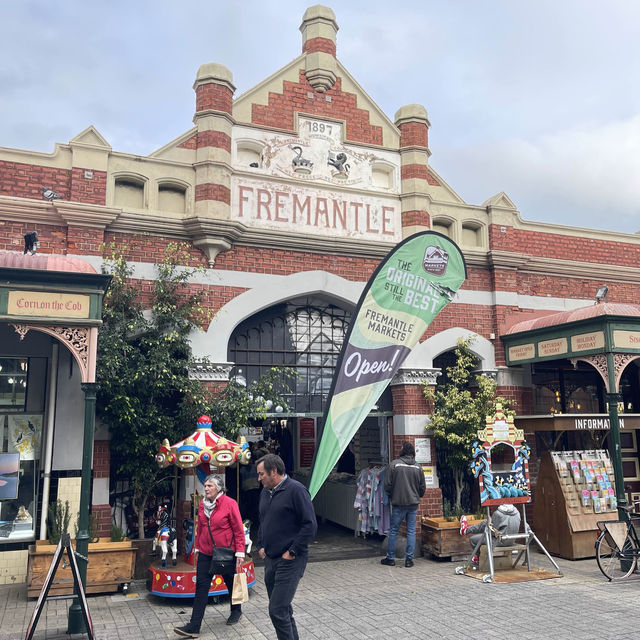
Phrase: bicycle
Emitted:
{"points": [[618, 546]]}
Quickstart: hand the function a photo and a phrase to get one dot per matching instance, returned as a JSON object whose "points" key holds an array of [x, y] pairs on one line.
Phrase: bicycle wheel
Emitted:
{"points": [[615, 563]]}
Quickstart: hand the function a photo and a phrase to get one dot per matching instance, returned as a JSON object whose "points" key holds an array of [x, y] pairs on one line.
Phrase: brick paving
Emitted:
{"points": [[358, 598]]}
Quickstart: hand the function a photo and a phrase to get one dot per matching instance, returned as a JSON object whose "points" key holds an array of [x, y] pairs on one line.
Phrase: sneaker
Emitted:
{"points": [[390, 562], [236, 614], [408, 562], [188, 631]]}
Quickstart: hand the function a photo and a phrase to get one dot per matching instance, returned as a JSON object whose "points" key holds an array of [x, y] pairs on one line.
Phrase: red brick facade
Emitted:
{"points": [[413, 218], [101, 462], [335, 103], [213, 192], [323, 45], [84, 240], [89, 186], [213, 139], [414, 134], [26, 180], [214, 97], [410, 171]]}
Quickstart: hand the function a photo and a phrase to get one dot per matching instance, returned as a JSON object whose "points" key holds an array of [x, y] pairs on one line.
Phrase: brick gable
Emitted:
{"points": [[294, 98]]}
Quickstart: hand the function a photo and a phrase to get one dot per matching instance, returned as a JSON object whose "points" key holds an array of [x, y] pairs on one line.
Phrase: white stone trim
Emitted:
{"points": [[211, 371], [250, 280], [415, 376], [423, 355], [410, 424], [214, 342], [100, 491]]}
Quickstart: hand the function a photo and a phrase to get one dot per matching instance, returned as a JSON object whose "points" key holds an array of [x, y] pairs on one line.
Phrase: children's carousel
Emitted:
{"points": [[205, 451]]}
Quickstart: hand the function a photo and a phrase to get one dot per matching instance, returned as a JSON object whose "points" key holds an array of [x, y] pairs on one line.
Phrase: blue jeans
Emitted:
{"points": [[398, 514]]}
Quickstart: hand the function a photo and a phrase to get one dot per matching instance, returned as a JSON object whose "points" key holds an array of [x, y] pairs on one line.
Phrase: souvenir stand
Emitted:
{"points": [[575, 491], [205, 451], [502, 486]]}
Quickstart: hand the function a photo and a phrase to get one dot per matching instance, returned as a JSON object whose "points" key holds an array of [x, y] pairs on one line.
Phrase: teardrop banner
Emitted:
{"points": [[416, 280]]}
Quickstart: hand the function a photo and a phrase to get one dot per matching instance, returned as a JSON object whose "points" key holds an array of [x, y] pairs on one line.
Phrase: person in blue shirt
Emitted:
{"points": [[287, 526]]}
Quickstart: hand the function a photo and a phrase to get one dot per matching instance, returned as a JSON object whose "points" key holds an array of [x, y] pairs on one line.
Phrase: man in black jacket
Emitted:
{"points": [[287, 526], [405, 484]]}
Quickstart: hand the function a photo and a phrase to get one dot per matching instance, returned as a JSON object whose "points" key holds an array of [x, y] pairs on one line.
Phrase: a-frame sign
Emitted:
{"points": [[63, 545]]}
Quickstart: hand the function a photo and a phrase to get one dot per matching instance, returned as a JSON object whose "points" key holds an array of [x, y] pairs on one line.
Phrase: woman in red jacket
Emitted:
{"points": [[220, 513]]}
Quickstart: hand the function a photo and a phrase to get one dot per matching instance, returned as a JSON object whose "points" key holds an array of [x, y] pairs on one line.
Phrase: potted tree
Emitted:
{"points": [[460, 406], [441, 534]]}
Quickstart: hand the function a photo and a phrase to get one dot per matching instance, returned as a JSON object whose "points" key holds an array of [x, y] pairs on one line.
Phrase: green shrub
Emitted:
{"points": [[58, 520], [117, 535], [93, 527]]}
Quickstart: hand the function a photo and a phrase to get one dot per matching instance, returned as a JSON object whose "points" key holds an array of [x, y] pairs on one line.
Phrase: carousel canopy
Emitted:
{"points": [[203, 449]]}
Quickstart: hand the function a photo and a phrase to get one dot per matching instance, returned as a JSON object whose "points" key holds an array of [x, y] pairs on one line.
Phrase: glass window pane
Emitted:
{"points": [[300, 333]]}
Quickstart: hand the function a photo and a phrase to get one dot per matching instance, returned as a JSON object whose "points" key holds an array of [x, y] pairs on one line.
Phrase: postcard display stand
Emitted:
{"points": [[575, 490], [500, 486]]}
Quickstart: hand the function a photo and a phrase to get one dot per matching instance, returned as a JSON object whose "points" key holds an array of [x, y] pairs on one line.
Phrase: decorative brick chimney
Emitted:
{"points": [[413, 123], [213, 118], [319, 29]]}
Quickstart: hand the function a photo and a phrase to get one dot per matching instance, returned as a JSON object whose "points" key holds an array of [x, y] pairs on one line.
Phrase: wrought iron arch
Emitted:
{"points": [[304, 334]]}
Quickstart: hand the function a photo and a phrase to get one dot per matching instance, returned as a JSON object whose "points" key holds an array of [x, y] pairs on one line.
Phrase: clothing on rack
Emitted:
{"points": [[372, 502]]}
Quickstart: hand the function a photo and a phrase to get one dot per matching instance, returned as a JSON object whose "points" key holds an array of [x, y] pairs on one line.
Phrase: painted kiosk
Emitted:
{"points": [[203, 450], [500, 486]]}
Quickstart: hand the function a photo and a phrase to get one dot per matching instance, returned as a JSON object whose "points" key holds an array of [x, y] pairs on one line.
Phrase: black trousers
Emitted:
{"points": [[203, 582], [281, 578]]}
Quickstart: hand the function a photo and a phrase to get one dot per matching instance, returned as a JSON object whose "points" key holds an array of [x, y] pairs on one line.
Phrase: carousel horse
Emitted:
{"points": [[187, 525], [166, 536], [247, 537]]}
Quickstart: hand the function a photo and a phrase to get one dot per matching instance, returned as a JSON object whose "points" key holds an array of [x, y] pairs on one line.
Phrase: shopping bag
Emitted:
{"points": [[240, 591]]}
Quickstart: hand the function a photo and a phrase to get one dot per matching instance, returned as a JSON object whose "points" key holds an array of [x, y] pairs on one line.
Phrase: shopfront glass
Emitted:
{"points": [[560, 388], [21, 429]]}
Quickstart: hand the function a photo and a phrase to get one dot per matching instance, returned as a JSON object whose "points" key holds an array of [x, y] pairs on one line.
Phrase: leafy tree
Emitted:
{"points": [[239, 405], [458, 412], [145, 394]]}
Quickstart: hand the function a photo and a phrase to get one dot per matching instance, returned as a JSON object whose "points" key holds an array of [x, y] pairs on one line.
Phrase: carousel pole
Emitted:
{"points": [[238, 483], [175, 497]]}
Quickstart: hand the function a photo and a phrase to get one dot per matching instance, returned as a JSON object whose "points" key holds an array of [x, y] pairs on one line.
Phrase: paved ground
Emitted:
{"points": [[356, 599]]}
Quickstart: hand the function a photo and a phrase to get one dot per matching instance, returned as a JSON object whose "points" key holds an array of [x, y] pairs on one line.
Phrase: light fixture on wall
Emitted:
{"points": [[601, 293], [31, 243]]}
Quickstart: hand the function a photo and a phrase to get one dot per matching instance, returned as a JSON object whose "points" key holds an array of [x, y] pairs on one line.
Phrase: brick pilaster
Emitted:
{"points": [[319, 29], [213, 118], [101, 464], [413, 123]]}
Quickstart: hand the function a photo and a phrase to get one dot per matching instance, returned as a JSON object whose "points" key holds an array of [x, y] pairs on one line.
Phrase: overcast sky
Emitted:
{"points": [[539, 99]]}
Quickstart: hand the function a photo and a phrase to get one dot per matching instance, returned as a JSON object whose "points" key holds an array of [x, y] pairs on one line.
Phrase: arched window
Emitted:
{"points": [[129, 192], [443, 226], [306, 335], [172, 197]]}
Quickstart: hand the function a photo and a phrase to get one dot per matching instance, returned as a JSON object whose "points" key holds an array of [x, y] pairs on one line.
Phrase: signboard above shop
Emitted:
{"points": [[598, 328]]}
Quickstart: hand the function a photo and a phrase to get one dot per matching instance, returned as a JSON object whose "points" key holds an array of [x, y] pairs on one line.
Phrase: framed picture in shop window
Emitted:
{"points": [[9, 470], [628, 441]]}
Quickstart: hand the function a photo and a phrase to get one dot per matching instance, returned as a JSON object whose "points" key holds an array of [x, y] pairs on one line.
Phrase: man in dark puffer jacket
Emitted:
{"points": [[405, 484]]}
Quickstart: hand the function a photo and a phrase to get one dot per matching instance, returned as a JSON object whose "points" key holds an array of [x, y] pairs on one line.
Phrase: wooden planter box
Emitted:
{"points": [[442, 539], [110, 564]]}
